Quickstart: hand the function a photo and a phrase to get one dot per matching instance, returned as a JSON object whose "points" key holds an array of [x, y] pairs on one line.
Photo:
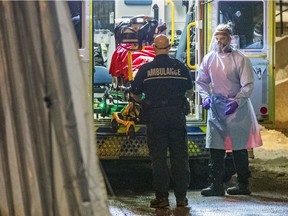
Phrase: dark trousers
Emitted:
{"points": [[240, 160], [166, 132], [241, 163]]}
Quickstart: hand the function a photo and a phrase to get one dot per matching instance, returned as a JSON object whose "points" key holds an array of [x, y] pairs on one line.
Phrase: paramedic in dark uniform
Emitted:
{"points": [[164, 82]]}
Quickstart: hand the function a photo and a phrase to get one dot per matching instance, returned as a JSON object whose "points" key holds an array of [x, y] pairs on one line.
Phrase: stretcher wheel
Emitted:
{"points": [[114, 125], [131, 132]]}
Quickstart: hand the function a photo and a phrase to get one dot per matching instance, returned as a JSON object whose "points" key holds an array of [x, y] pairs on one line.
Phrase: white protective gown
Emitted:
{"points": [[225, 77]]}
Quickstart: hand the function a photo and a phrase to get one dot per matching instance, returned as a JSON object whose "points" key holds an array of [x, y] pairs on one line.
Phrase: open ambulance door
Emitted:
{"points": [[253, 33]]}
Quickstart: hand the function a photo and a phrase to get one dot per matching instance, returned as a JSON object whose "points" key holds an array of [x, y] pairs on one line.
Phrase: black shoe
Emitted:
{"points": [[182, 202], [240, 189], [213, 190], [159, 203]]}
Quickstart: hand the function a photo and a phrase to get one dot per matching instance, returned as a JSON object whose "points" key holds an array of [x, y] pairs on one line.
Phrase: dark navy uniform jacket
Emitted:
{"points": [[164, 81]]}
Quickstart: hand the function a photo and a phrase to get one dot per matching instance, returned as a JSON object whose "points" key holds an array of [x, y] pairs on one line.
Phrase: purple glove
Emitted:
{"points": [[206, 103], [231, 107]]}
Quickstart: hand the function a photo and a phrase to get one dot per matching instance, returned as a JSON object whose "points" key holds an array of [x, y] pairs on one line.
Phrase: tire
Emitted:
{"points": [[131, 132], [114, 125]]}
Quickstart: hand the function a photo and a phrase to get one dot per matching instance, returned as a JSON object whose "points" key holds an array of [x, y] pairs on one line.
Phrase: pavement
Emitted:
{"points": [[137, 204]]}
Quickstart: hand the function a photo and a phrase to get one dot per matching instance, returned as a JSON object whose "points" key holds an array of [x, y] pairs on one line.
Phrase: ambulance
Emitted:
{"points": [[189, 24]]}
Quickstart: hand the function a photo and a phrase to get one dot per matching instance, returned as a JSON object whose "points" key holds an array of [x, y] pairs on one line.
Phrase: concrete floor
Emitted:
{"points": [[258, 204]]}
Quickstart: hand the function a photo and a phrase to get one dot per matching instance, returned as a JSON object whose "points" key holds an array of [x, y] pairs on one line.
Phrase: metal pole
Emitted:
{"points": [[281, 17]]}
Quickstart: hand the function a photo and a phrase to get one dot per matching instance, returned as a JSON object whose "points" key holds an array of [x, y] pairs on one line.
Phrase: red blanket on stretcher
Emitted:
{"points": [[119, 61]]}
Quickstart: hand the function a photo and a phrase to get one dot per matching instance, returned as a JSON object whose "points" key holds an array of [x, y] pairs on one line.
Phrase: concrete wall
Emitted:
{"points": [[281, 60], [281, 87], [281, 104]]}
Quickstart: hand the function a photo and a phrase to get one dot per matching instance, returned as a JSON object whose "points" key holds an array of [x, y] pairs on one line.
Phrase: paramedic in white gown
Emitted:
{"points": [[225, 83]]}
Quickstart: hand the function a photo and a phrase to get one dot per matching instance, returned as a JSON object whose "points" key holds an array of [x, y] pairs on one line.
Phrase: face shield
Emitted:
{"points": [[221, 39]]}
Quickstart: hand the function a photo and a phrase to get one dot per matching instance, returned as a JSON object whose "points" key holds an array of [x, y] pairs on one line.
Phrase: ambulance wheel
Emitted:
{"points": [[131, 132], [114, 125]]}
